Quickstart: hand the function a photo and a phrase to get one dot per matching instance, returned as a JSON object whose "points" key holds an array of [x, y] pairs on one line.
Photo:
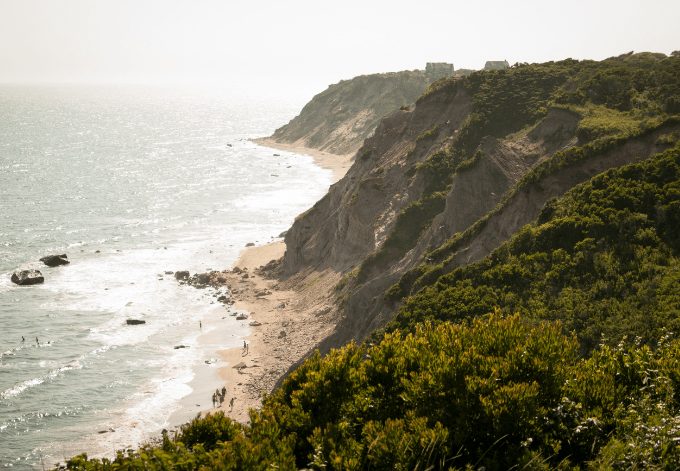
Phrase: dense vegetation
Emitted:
{"points": [[495, 393], [556, 352], [604, 260]]}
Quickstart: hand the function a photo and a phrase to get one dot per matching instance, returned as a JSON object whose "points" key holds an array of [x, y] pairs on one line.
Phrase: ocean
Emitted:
{"points": [[130, 183]]}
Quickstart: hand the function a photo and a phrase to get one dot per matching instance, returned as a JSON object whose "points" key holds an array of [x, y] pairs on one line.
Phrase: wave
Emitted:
{"points": [[76, 364], [33, 382]]}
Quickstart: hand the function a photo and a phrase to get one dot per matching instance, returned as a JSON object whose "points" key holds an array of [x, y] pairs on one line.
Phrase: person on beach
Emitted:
{"points": [[224, 392], [231, 404], [214, 399], [221, 400], [200, 325], [247, 348]]}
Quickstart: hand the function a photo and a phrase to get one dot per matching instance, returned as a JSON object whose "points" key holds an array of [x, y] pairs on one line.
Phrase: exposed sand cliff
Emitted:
{"points": [[338, 119]]}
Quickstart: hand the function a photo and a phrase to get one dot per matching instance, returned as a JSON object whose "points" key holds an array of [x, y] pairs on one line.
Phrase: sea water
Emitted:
{"points": [[129, 183]]}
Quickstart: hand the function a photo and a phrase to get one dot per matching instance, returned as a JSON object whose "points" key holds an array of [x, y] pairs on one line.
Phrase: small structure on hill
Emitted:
{"points": [[496, 65], [437, 70]]}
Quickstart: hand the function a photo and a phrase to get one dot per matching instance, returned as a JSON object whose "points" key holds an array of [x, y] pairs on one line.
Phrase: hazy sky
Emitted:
{"points": [[299, 47]]}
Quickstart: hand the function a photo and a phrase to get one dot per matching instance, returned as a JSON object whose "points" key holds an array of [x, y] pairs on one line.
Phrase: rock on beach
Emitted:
{"points": [[27, 277]]}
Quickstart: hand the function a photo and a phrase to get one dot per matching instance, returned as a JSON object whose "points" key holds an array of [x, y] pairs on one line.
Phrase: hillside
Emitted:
{"points": [[509, 298], [444, 184], [338, 119]]}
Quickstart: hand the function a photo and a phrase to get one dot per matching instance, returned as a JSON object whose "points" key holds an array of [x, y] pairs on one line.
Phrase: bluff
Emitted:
{"points": [[443, 184], [338, 119]]}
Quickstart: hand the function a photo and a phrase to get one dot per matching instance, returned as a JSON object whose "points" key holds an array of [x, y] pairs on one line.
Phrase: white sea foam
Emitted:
{"points": [[30, 383]]}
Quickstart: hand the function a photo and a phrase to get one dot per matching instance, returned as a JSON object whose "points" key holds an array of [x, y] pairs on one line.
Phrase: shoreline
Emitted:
{"points": [[291, 317], [336, 163]]}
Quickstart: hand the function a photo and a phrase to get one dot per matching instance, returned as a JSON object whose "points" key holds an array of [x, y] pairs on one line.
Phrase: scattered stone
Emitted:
{"points": [[177, 347], [27, 277], [135, 322], [169, 272], [250, 244], [277, 155], [97, 251], [245, 276], [199, 280], [237, 270], [241, 316], [55, 260], [281, 306], [262, 292], [254, 323], [182, 275], [282, 334]]}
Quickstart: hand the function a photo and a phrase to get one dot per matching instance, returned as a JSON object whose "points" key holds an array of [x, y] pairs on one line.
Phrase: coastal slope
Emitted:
{"points": [[443, 184], [338, 119]]}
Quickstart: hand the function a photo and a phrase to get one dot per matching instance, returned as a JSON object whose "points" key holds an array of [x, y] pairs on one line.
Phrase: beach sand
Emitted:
{"points": [[292, 316], [338, 164]]}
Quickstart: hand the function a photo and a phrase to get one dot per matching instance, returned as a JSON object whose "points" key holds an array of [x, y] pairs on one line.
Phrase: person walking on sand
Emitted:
{"points": [[231, 404], [214, 399], [224, 392], [200, 325], [221, 400]]}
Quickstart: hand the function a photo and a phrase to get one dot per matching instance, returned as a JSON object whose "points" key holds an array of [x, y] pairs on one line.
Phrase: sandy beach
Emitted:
{"points": [[287, 318], [338, 164]]}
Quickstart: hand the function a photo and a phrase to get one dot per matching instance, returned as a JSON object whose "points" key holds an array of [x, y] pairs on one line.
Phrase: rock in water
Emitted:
{"points": [[27, 277], [182, 275], [134, 322], [55, 260]]}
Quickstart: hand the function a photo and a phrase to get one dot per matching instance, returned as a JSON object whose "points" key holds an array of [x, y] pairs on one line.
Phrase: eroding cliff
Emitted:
{"points": [[444, 183], [339, 119]]}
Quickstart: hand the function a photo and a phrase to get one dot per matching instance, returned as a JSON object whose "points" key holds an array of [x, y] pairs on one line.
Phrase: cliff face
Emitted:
{"points": [[444, 184], [357, 213], [338, 119]]}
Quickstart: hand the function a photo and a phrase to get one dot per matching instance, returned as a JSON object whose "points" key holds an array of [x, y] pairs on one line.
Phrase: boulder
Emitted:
{"points": [[27, 277], [181, 275], [55, 260], [199, 280], [135, 322]]}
